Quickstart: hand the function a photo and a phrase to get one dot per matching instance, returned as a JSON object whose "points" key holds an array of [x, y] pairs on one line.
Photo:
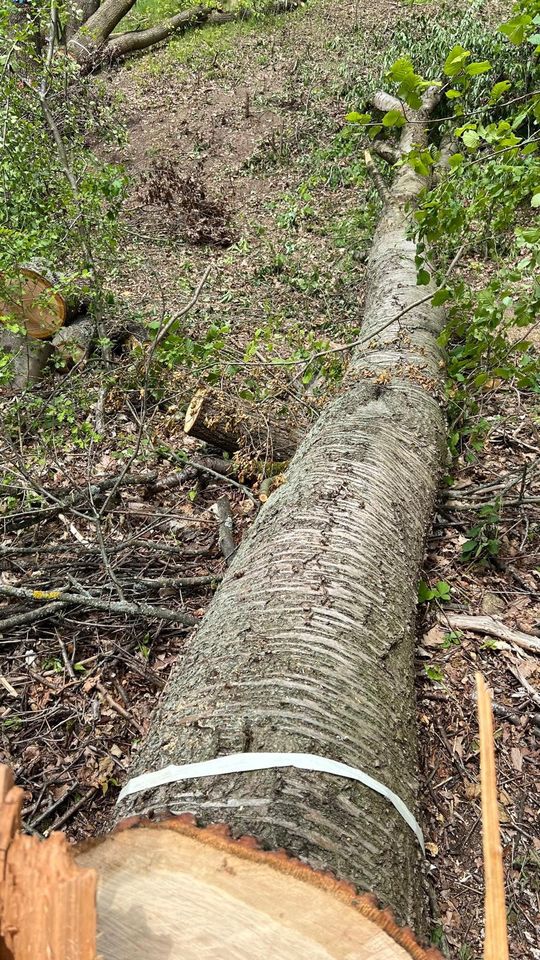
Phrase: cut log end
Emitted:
{"points": [[174, 891], [47, 902], [193, 411], [233, 424], [31, 300]]}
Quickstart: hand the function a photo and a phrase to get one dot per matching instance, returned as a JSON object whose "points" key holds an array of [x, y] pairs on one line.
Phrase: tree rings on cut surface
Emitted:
{"points": [[31, 300], [172, 891]]}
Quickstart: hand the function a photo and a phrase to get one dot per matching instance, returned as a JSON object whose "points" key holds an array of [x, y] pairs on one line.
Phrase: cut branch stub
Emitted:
{"points": [[171, 890], [232, 424], [30, 299]]}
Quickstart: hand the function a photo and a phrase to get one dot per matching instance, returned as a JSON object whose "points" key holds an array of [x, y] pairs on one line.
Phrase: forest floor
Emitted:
{"points": [[236, 164]]}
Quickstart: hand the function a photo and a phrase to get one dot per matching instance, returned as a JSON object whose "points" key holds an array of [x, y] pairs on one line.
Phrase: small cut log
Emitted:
{"points": [[232, 424], [73, 343], [30, 299]]}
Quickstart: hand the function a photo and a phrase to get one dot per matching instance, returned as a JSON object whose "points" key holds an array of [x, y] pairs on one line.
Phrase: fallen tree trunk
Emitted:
{"points": [[308, 645], [232, 424], [94, 43]]}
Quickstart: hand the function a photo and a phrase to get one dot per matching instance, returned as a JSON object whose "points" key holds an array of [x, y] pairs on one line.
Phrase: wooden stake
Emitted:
{"points": [[496, 936]]}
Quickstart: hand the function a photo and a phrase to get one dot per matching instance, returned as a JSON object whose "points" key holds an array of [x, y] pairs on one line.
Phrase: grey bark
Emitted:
{"points": [[308, 644], [222, 510], [27, 358], [86, 44], [80, 13]]}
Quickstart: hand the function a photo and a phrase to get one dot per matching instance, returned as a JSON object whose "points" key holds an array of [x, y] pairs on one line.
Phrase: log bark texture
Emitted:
{"points": [[309, 643], [230, 423], [81, 11]]}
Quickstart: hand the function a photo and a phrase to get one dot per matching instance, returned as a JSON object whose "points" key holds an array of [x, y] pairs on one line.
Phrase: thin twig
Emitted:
{"points": [[93, 603], [29, 616]]}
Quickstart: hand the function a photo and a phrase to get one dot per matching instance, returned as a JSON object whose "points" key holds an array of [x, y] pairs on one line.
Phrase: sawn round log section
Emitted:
{"points": [[171, 891], [233, 424], [30, 298]]}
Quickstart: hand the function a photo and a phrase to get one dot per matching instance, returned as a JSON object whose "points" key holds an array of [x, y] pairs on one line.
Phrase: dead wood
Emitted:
{"points": [[492, 628], [232, 424], [308, 643], [29, 518], [222, 510], [84, 600]]}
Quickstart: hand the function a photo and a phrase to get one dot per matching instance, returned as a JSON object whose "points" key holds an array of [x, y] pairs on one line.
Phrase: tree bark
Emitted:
{"points": [[308, 645], [85, 45], [83, 10], [232, 424]]}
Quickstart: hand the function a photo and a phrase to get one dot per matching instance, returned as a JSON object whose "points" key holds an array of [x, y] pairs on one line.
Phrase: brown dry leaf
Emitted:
{"points": [[472, 790], [491, 604], [432, 849], [516, 757], [434, 637]]}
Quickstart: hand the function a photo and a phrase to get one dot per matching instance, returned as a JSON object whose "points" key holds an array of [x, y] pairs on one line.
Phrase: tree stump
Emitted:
{"points": [[31, 300], [232, 424]]}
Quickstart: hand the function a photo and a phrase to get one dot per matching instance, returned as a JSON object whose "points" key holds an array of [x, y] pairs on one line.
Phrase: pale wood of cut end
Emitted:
{"points": [[47, 903], [32, 300], [496, 936], [170, 895]]}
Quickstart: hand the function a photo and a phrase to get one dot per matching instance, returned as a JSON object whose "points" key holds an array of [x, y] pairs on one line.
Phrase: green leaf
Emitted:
{"points": [[425, 593], [441, 297], [374, 130], [515, 28], [478, 67], [362, 118], [423, 277], [499, 88], [453, 94], [455, 161], [434, 673], [535, 201], [471, 139], [443, 590], [401, 70], [455, 61], [394, 118], [530, 235]]}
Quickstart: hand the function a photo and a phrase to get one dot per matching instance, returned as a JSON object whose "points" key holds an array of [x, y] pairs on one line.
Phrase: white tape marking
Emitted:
{"points": [[244, 762]]}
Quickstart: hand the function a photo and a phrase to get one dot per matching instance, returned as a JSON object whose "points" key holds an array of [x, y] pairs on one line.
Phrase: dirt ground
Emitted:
{"points": [[231, 151]]}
